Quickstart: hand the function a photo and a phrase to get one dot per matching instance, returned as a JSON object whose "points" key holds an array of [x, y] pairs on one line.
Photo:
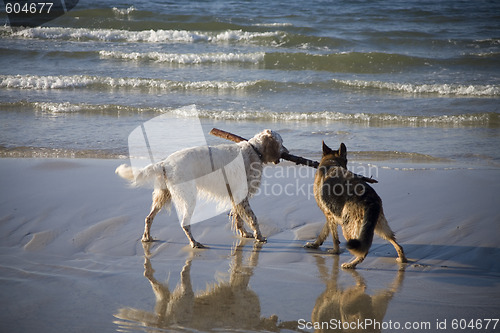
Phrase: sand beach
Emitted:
{"points": [[71, 259]]}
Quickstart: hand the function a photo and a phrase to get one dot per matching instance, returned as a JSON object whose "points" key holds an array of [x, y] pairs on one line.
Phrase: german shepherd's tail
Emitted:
{"points": [[152, 174], [361, 245]]}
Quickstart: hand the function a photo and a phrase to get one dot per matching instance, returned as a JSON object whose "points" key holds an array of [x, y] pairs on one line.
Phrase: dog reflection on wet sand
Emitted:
{"points": [[352, 304], [226, 304]]}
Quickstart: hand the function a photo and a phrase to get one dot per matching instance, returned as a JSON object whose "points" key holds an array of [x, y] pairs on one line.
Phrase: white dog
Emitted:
{"points": [[188, 172]]}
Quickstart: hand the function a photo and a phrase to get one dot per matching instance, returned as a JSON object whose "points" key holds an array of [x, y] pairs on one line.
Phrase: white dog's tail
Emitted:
{"points": [[150, 175]]}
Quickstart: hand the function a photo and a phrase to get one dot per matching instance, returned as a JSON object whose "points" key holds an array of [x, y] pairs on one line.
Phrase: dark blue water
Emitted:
{"points": [[408, 80]]}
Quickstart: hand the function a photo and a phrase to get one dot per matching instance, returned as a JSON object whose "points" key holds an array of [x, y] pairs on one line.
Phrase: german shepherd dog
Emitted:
{"points": [[347, 200]]}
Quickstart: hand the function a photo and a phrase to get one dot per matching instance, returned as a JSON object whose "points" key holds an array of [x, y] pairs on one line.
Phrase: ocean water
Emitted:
{"points": [[406, 81]]}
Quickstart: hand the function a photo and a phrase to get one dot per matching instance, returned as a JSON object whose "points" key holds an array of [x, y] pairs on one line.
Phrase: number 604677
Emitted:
{"points": [[28, 8], [476, 324]]}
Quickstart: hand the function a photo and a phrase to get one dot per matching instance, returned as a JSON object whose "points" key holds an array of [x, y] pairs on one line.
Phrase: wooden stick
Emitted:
{"points": [[226, 135], [286, 156], [300, 160]]}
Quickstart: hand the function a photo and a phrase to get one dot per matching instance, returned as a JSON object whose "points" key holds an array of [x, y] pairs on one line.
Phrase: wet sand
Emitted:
{"points": [[71, 259]]}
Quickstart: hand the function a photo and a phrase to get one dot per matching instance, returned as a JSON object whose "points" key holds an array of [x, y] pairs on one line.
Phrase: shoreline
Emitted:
{"points": [[71, 255]]}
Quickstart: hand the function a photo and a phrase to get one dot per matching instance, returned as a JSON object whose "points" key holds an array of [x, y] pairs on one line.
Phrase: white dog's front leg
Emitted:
{"points": [[238, 223], [244, 210]]}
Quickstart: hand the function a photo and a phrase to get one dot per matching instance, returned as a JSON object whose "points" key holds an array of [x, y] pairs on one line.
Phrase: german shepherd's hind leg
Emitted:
{"points": [[359, 240], [384, 231], [161, 197], [399, 250]]}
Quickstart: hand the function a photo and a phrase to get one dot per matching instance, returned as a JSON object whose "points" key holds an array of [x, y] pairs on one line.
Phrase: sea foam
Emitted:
{"points": [[187, 58], [438, 88], [150, 36], [488, 119], [79, 81]]}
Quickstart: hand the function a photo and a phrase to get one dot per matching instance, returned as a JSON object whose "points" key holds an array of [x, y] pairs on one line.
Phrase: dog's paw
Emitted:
{"points": [[147, 238], [311, 245], [261, 239], [148, 270], [246, 234], [334, 251], [348, 265], [197, 245]]}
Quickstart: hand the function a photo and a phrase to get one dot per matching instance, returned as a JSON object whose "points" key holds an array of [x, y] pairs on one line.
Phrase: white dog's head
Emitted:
{"points": [[270, 145]]}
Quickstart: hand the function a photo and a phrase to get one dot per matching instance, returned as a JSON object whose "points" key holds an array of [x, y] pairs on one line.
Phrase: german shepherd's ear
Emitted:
{"points": [[326, 150], [342, 150]]}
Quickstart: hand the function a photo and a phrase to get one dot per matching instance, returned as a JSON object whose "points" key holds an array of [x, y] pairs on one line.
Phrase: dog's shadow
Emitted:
{"points": [[224, 304], [351, 305]]}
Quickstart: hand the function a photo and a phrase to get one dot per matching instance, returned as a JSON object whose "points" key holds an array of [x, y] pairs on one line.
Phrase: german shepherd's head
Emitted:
{"points": [[334, 157]]}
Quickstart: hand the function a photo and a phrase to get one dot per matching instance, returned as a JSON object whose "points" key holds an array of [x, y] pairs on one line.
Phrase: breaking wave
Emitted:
{"points": [[441, 89], [189, 58], [150, 36], [83, 81], [482, 119], [97, 82], [488, 119], [225, 33]]}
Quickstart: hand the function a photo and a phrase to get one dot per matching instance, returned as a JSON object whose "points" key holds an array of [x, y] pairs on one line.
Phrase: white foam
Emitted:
{"points": [[388, 119], [124, 11], [65, 107], [441, 89], [186, 58], [481, 119], [274, 24], [150, 36], [78, 81], [44, 82]]}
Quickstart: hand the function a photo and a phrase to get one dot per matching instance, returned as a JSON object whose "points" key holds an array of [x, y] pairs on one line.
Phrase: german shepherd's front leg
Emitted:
{"points": [[320, 239], [329, 226], [354, 262], [335, 237]]}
